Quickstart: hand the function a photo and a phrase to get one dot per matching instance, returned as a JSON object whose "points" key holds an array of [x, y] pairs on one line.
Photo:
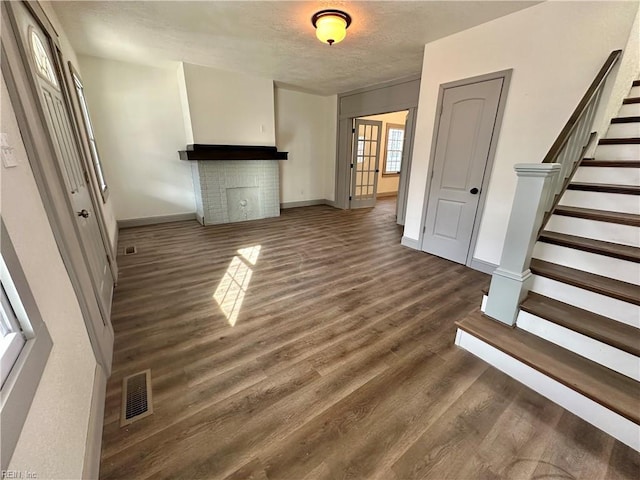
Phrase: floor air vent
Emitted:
{"points": [[136, 397], [130, 250]]}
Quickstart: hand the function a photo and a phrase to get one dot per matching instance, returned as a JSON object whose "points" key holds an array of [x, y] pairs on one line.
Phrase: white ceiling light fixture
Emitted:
{"points": [[331, 25]]}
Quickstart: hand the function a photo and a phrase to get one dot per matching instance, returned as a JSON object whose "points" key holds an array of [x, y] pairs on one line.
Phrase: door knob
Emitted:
{"points": [[474, 191], [83, 213]]}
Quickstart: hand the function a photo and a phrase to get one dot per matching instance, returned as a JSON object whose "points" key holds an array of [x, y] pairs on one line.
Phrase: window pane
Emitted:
{"points": [[12, 340], [395, 140], [95, 157], [360, 148], [42, 60]]}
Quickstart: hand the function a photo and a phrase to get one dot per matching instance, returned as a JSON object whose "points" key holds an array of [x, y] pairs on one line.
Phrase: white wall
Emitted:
{"points": [[624, 73], [229, 108], [555, 50], [139, 127], [52, 442], [306, 128], [184, 103], [387, 183]]}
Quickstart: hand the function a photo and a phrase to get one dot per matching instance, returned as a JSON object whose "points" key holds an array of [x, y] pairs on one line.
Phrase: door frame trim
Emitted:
{"points": [[388, 103], [405, 171], [98, 198], [505, 75]]}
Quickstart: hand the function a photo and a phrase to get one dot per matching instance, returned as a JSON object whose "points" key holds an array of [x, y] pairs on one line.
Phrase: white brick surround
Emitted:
{"points": [[236, 190]]}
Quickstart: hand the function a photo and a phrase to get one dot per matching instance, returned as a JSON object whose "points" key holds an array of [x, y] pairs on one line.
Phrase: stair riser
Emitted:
{"points": [[602, 305], [615, 425], [594, 350], [613, 202], [623, 130], [607, 232], [630, 110], [608, 175], [635, 92], [618, 152], [588, 262]]}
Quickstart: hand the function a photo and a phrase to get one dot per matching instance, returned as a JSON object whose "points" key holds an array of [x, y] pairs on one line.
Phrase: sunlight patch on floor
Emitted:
{"points": [[250, 254], [234, 284]]}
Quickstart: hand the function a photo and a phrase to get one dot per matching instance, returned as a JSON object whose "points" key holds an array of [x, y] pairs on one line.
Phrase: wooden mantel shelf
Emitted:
{"points": [[200, 151]]}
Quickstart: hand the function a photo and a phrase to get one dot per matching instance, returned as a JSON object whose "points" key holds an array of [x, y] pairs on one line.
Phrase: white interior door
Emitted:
{"points": [[465, 130], [365, 163], [42, 67]]}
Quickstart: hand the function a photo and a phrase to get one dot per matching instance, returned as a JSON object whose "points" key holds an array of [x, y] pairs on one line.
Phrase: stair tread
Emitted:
{"points": [[619, 141], [629, 119], [598, 215], [601, 328], [610, 163], [627, 292], [614, 250], [605, 187], [602, 385]]}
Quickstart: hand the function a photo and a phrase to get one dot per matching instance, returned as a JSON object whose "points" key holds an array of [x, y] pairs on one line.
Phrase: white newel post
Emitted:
{"points": [[511, 280]]}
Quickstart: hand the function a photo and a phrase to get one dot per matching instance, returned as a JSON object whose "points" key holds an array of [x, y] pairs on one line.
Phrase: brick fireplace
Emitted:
{"points": [[235, 183]]}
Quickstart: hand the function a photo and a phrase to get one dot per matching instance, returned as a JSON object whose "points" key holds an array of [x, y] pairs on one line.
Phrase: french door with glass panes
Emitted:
{"points": [[365, 161]]}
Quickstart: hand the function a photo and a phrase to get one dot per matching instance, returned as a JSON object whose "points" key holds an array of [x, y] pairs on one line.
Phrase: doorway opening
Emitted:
{"points": [[379, 148]]}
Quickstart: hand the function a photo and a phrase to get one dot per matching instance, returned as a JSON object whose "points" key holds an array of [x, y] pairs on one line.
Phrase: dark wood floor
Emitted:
{"points": [[340, 363]]}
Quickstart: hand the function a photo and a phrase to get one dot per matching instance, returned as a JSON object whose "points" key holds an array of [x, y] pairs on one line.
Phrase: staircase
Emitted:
{"points": [[577, 332]]}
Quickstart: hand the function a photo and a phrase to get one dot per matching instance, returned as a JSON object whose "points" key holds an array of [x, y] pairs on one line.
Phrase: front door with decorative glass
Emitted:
{"points": [[45, 72]]}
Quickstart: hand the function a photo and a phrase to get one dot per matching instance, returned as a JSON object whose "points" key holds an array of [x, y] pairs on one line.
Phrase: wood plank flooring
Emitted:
{"points": [[314, 346]]}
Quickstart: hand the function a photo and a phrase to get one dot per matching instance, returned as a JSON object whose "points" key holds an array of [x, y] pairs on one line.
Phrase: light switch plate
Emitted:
{"points": [[7, 153], [8, 157]]}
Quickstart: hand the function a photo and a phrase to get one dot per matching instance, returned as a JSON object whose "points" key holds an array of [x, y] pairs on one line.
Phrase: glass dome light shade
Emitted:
{"points": [[331, 25]]}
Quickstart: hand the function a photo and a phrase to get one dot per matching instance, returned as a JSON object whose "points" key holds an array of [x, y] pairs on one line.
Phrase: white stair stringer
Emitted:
{"points": [[587, 347], [593, 302], [583, 227], [629, 110], [602, 265], [624, 130], [614, 202], [608, 175], [593, 412], [627, 151]]}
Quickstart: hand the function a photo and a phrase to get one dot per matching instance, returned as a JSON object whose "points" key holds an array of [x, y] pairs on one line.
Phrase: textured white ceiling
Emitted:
{"points": [[274, 39]]}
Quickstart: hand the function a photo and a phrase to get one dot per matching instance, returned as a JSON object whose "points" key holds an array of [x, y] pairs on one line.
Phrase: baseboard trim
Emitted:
{"points": [[610, 422], [410, 243], [303, 203], [308, 203], [386, 194], [93, 446], [482, 266], [139, 222]]}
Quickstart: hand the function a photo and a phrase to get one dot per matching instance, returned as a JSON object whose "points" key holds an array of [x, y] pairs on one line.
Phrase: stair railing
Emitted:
{"points": [[538, 190]]}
